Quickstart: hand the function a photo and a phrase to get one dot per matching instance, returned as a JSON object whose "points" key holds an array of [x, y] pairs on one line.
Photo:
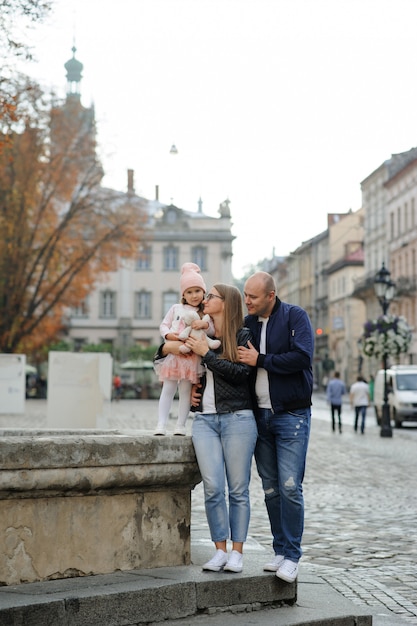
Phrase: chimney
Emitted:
{"points": [[130, 187], [156, 192]]}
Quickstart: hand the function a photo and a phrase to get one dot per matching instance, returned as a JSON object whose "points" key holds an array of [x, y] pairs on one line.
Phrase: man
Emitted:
{"points": [[359, 400], [283, 354], [334, 392]]}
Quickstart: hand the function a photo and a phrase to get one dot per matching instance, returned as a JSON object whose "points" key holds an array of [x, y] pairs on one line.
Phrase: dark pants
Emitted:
{"points": [[336, 408], [360, 410]]}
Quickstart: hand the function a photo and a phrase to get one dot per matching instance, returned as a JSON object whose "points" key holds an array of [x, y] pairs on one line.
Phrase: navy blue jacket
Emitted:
{"points": [[289, 355]]}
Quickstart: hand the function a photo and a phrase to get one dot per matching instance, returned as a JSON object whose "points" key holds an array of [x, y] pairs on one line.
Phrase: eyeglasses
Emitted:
{"points": [[209, 296]]}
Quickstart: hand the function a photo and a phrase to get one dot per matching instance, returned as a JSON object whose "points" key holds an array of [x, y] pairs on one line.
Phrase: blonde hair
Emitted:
{"points": [[233, 320]]}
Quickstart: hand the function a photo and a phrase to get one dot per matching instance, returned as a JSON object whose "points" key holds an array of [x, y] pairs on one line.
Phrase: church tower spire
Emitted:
{"points": [[74, 74]]}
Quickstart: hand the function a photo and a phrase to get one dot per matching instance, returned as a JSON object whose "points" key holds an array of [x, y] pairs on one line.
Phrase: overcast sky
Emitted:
{"points": [[282, 106]]}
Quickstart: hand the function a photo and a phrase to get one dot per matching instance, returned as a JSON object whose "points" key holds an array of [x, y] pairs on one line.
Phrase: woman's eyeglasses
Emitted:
{"points": [[209, 296]]}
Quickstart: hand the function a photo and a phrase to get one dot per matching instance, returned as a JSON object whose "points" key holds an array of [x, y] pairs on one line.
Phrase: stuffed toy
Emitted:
{"points": [[188, 317]]}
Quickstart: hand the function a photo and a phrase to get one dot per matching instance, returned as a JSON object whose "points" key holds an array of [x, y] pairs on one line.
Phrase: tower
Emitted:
{"points": [[73, 126]]}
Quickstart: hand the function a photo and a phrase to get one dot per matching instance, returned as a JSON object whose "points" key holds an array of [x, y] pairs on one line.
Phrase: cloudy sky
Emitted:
{"points": [[282, 106]]}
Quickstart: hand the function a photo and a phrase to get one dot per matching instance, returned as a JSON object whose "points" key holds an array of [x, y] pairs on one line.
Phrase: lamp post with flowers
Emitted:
{"points": [[389, 335], [385, 292]]}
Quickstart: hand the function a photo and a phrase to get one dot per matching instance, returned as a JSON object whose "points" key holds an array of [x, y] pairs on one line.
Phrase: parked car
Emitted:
{"points": [[402, 393]]}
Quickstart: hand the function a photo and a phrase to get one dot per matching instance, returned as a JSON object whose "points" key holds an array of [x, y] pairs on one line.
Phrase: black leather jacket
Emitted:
{"points": [[231, 380]]}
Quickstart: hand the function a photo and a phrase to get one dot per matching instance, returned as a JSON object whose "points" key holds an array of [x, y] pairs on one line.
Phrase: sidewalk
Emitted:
{"points": [[176, 596]]}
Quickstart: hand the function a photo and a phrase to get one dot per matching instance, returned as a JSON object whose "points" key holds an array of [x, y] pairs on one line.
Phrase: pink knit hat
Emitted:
{"points": [[191, 277]]}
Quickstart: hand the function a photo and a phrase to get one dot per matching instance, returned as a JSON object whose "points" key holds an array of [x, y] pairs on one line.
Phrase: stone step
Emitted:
{"points": [[182, 595]]}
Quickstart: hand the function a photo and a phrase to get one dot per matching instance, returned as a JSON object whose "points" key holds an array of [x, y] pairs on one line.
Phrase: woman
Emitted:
{"points": [[224, 429]]}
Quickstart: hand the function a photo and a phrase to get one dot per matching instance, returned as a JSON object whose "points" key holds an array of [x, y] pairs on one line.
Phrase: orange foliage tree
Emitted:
{"points": [[59, 228]]}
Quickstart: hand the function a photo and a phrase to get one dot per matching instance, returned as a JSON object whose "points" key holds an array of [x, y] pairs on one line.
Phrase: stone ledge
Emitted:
{"points": [[138, 597], [53, 449], [78, 504]]}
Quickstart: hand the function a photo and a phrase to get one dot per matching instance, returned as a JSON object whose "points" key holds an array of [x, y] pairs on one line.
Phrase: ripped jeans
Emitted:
{"points": [[280, 456]]}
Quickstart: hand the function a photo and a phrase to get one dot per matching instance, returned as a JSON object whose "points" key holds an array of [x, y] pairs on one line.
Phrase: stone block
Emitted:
{"points": [[83, 504]]}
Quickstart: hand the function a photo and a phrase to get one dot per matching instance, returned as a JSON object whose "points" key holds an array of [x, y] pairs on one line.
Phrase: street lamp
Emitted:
{"points": [[385, 292]]}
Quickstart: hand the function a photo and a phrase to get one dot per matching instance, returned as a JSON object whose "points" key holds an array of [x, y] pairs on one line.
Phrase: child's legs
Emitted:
{"points": [[184, 391], [165, 400]]}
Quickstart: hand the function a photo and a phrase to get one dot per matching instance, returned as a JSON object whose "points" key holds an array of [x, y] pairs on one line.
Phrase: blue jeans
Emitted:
{"points": [[224, 445], [360, 411], [280, 456]]}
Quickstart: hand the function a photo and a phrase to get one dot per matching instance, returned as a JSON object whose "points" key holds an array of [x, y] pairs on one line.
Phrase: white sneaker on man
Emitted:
{"points": [[235, 562], [273, 565], [217, 563], [288, 571]]}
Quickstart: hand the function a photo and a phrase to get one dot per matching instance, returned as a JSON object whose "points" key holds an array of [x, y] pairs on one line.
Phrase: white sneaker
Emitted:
{"points": [[235, 562], [180, 430], [217, 563], [273, 565], [288, 571], [159, 430]]}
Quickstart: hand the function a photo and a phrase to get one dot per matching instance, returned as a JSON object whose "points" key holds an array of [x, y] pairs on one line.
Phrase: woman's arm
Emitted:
{"points": [[172, 347], [227, 369]]}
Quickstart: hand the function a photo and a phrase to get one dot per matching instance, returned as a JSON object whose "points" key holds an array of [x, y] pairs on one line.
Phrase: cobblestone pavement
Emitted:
{"points": [[360, 493]]}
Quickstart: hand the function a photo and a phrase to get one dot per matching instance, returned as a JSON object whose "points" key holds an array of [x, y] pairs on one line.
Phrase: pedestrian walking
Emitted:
{"points": [[334, 394], [282, 352], [359, 400], [117, 385]]}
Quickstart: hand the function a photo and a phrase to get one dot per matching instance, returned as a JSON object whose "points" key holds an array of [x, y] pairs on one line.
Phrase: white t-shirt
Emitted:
{"points": [[262, 383], [209, 399], [359, 393]]}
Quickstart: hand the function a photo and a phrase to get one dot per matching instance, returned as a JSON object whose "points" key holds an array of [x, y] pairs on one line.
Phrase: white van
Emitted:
{"points": [[402, 393]]}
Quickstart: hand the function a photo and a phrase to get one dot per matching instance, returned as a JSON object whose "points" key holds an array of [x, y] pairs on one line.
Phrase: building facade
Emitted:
{"points": [[128, 305]]}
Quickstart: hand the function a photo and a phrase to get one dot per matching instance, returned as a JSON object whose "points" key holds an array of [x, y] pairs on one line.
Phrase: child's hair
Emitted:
{"points": [[233, 320]]}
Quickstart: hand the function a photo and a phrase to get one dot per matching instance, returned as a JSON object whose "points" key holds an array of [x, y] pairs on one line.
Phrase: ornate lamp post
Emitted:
{"points": [[385, 292]]}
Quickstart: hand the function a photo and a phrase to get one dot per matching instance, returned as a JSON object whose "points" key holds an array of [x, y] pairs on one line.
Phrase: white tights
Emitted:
{"points": [[169, 388]]}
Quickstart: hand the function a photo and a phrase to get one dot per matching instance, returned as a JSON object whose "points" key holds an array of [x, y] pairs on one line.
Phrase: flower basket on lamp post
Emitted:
{"points": [[389, 335]]}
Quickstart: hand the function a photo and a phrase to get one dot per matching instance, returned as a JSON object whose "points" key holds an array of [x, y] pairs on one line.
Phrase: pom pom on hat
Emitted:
{"points": [[191, 277]]}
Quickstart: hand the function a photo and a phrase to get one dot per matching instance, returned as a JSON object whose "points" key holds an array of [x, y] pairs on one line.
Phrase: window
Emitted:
{"points": [[144, 259], [199, 256], [391, 226], [171, 258], [80, 311], [143, 305], [169, 299], [108, 304]]}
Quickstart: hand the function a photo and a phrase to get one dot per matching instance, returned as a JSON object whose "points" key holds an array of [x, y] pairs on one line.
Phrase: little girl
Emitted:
{"points": [[177, 370]]}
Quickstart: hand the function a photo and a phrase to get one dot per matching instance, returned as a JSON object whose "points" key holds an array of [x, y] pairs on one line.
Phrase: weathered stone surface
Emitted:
{"points": [[83, 504]]}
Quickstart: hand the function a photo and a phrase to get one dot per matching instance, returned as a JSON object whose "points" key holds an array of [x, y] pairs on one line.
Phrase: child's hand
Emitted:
{"points": [[199, 325], [171, 337]]}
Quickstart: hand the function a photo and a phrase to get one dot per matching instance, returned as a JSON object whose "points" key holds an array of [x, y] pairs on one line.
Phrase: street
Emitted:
{"points": [[361, 508]]}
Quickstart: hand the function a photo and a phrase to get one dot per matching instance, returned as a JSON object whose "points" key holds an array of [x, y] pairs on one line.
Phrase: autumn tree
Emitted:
{"points": [[17, 19], [59, 228]]}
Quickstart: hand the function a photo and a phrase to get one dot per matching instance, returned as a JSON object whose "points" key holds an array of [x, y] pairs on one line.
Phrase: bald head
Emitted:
{"points": [[260, 294]]}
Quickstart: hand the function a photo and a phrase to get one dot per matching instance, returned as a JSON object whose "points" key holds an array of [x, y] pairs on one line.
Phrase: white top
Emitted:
{"points": [[359, 393], [262, 383]]}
